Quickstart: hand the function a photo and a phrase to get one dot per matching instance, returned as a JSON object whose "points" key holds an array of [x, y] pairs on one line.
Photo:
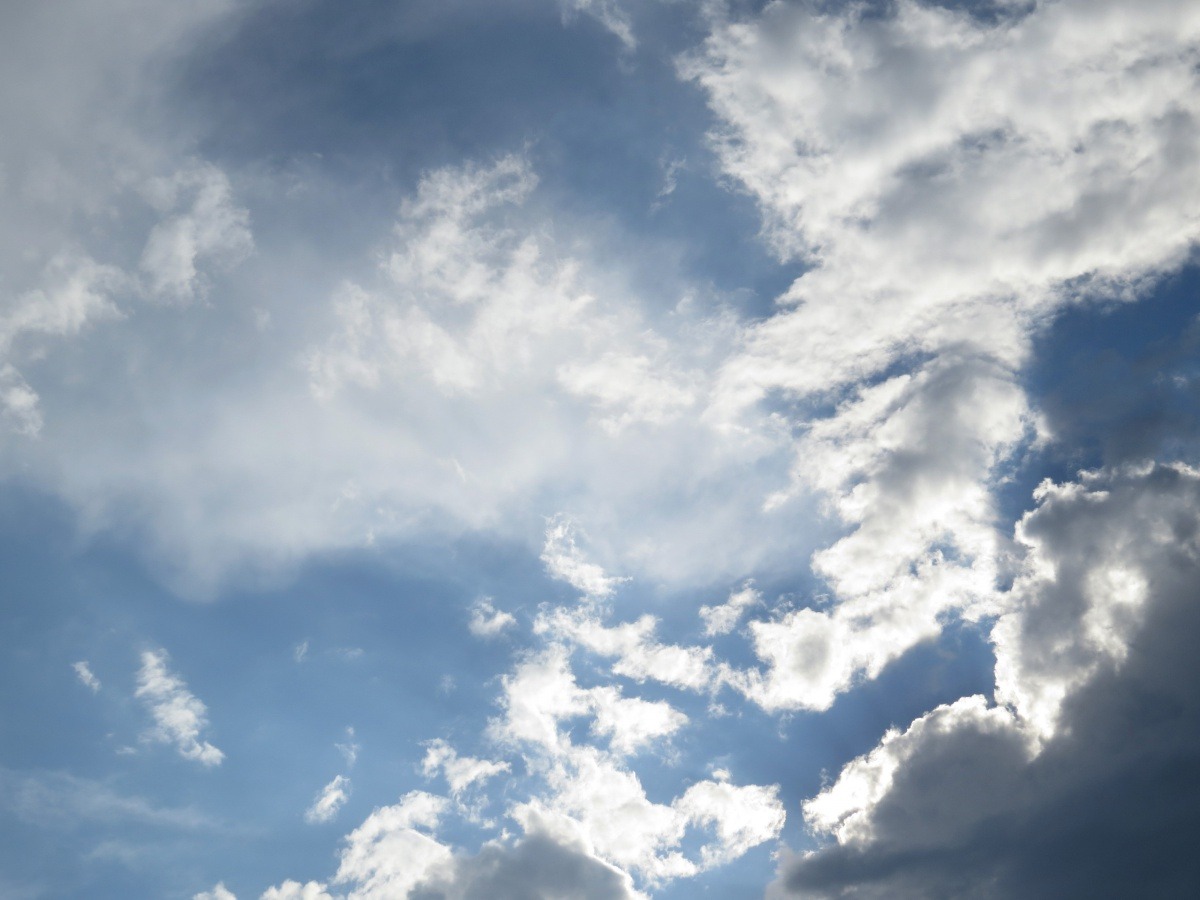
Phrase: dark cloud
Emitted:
{"points": [[1111, 806]]}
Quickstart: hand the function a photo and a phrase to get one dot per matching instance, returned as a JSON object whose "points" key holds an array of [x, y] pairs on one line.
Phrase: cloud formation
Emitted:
{"points": [[329, 802], [1009, 795], [180, 718]]}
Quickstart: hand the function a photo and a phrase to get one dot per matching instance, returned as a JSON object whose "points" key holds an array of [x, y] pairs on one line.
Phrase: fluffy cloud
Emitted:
{"points": [[329, 801], [219, 892], [180, 718], [392, 851], [1094, 647], [947, 203], [593, 798], [294, 890]]}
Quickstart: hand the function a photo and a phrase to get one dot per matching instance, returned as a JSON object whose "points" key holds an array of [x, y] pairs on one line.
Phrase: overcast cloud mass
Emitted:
{"points": [[599, 449]]}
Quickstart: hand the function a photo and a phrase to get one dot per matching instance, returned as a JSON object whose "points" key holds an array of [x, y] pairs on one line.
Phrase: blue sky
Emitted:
{"points": [[596, 448]]}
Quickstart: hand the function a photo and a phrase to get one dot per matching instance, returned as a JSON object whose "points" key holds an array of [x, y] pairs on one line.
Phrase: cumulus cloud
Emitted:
{"points": [[392, 852], [946, 205], [84, 672], [595, 800], [1094, 647], [180, 718], [329, 802]]}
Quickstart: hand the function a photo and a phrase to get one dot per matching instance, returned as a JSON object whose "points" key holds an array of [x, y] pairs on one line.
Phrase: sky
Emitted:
{"points": [[609, 449]]}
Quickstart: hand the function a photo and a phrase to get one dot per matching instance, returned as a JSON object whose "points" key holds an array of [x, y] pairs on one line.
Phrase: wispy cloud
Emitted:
{"points": [[84, 672], [180, 718], [329, 802]]}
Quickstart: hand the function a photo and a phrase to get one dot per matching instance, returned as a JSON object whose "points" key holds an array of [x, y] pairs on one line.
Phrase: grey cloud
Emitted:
{"points": [[1109, 806], [538, 868]]}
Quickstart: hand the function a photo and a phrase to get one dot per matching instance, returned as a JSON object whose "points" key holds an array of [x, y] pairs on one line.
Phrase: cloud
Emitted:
{"points": [[294, 890], [180, 718], [481, 355], [460, 772], [628, 389], [594, 800], [1043, 792], [945, 205], [392, 852], [631, 723], [723, 619], [63, 800], [350, 748], [211, 227], [609, 13], [329, 802], [219, 892], [487, 621], [86, 678], [536, 866], [565, 561]]}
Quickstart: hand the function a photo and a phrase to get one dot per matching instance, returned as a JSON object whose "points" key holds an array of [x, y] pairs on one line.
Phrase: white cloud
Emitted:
{"points": [[180, 718], [594, 800], [86, 678], [565, 561], [329, 802], [294, 890], [537, 694], [947, 206], [460, 772], [631, 723], [723, 618], [628, 389], [219, 892], [211, 228], [633, 645], [75, 292], [487, 621], [391, 852]]}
